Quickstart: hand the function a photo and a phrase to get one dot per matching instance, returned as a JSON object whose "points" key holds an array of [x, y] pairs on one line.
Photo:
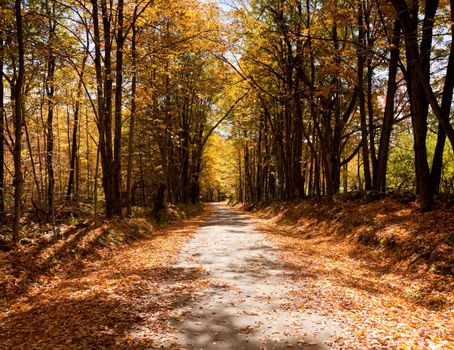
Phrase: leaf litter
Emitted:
{"points": [[119, 297], [381, 308]]}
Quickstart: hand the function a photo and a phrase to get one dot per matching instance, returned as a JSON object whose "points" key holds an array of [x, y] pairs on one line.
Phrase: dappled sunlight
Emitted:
{"points": [[384, 300], [108, 298], [226, 174], [248, 303]]}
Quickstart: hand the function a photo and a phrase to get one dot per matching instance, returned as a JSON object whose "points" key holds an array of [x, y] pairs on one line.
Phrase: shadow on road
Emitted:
{"points": [[248, 305]]}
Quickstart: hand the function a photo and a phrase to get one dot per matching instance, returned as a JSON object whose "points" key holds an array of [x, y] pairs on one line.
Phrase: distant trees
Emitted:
{"points": [[178, 93]]}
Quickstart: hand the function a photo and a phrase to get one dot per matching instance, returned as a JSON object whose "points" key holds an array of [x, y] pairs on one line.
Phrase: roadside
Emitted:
{"points": [[387, 297], [110, 287]]}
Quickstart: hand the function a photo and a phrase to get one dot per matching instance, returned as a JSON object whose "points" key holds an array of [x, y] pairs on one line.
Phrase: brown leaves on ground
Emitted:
{"points": [[94, 291], [387, 295]]}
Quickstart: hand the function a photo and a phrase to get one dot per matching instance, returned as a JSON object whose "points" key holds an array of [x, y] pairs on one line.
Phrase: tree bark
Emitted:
{"points": [[117, 205], [2, 135], [18, 120], [50, 91], [362, 100], [74, 144], [50, 140], [103, 68], [131, 121], [446, 101], [388, 115], [418, 69]]}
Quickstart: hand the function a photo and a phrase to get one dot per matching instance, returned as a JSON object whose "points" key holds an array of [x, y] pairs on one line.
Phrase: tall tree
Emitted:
{"points": [[17, 88], [132, 117], [118, 107], [420, 91], [446, 101], [361, 95], [50, 91], [388, 114]]}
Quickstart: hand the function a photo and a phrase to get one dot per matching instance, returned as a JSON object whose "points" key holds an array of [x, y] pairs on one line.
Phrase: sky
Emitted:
{"points": [[225, 5]]}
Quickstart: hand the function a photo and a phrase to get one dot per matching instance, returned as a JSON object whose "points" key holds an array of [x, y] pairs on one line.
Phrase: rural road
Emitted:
{"points": [[248, 304]]}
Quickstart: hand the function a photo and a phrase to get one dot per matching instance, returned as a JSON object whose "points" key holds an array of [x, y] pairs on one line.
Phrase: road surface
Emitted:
{"points": [[248, 304]]}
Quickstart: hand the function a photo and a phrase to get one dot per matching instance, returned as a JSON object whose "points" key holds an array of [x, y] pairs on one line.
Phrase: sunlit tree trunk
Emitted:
{"points": [[2, 135], [50, 91]]}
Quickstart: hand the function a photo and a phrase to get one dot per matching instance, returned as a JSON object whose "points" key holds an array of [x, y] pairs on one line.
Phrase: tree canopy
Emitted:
{"points": [[140, 103]]}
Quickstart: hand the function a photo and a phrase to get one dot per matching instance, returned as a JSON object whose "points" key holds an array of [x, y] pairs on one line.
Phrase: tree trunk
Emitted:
{"points": [[33, 165], [104, 101], [18, 120], [259, 178], [74, 144], [117, 205], [437, 161], [95, 186], [370, 74], [362, 101], [159, 203], [131, 120], [107, 149], [240, 178], [419, 58], [388, 115], [418, 97], [2, 135], [50, 90]]}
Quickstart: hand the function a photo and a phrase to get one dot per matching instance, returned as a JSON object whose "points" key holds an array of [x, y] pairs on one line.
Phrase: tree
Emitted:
{"points": [[17, 94], [420, 91], [50, 91]]}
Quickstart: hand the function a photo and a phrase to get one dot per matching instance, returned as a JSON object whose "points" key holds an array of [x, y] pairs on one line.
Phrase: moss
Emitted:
{"points": [[25, 241]]}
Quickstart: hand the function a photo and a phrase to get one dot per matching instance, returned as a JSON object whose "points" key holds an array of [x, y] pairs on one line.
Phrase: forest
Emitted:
{"points": [[317, 98], [121, 119]]}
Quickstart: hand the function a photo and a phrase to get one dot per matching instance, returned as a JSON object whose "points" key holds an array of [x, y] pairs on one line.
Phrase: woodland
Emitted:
{"points": [[126, 115], [113, 103]]}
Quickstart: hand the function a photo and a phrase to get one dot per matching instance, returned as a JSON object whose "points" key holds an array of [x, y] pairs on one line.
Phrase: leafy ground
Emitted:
{"points": [[382, 268], [106, 286]]}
